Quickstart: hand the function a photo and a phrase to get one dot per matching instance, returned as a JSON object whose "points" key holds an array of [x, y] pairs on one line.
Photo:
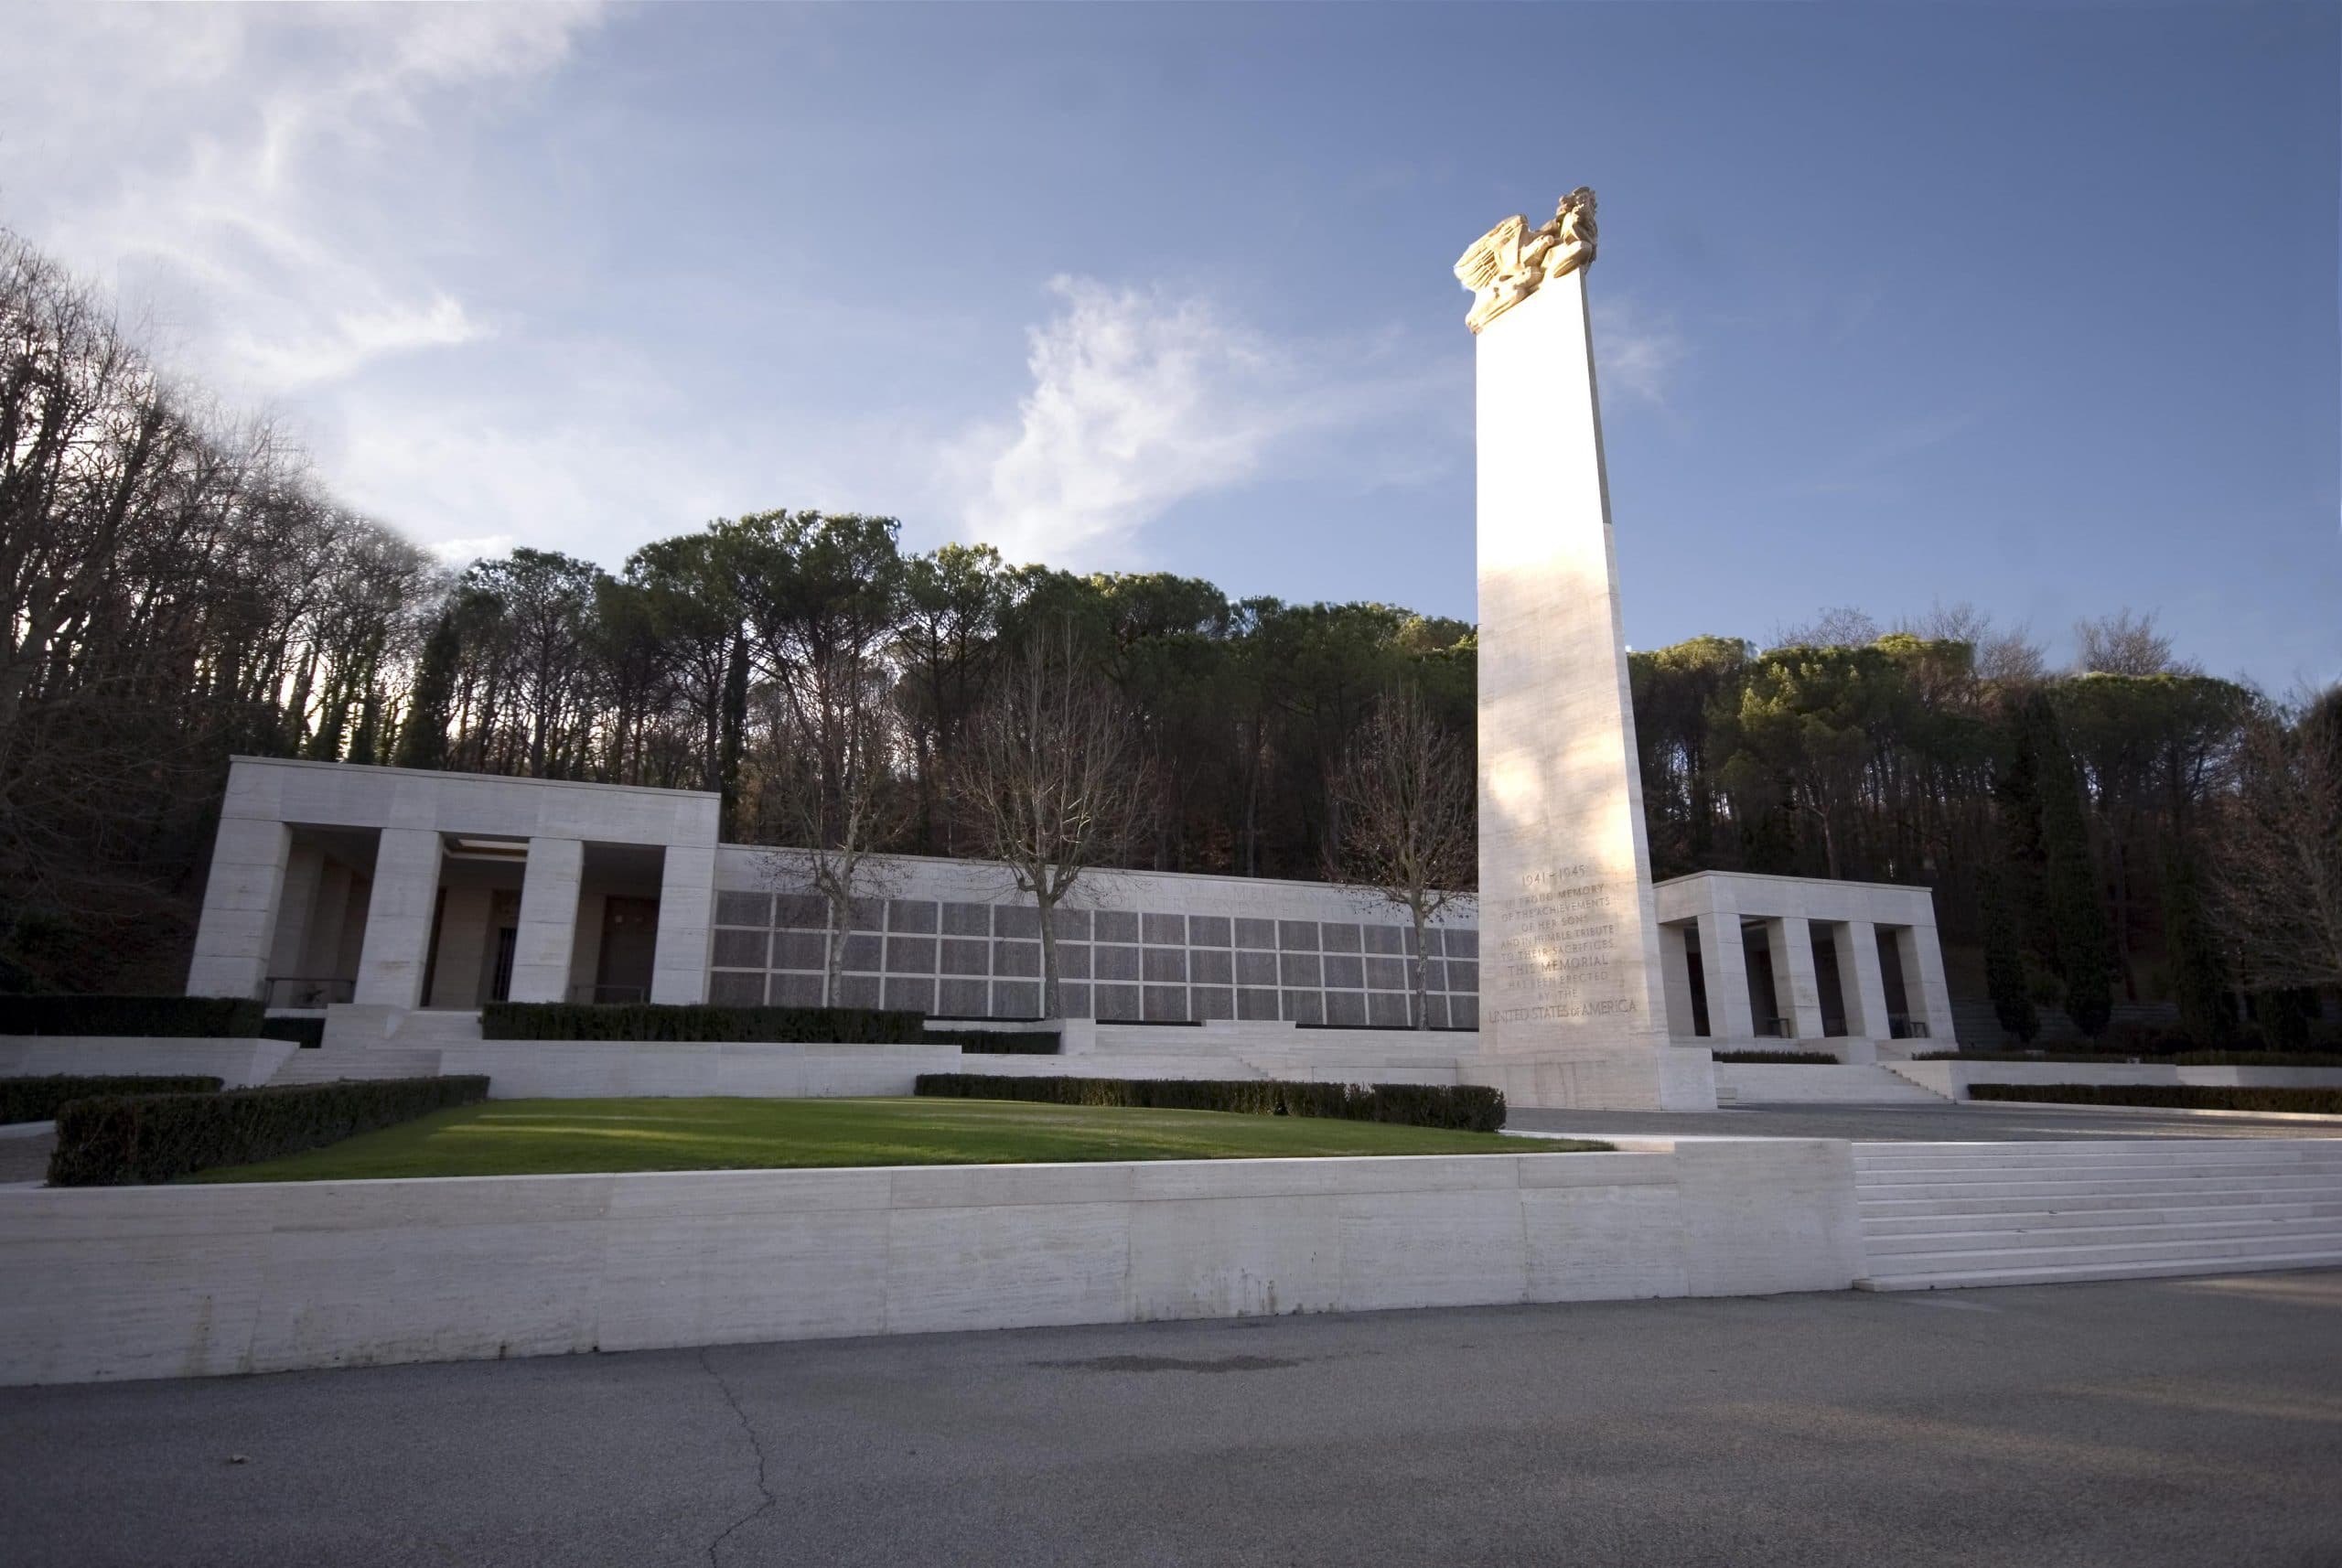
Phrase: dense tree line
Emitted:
{"points": [[179, 588], [173, 587], [2074, 824]]}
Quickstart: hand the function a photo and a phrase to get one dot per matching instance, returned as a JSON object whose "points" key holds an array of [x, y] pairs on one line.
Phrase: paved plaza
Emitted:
{"points": [[1947, 1123], [2188, 1422]]}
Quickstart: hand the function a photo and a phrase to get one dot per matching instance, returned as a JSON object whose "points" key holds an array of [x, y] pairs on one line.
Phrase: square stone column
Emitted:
{"points": [[398, 918], [547, 932], [686, 925], [1794, 986], [1863, 978], [1924, 988], [1723, 966], [1675, 963], [241, 899]]}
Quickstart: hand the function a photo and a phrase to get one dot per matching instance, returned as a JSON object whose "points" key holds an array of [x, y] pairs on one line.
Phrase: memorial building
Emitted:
{"points": [[372, 893]]}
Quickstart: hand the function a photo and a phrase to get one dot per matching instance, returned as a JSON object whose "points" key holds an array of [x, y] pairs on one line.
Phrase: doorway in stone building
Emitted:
{"points": [[629, 944]]}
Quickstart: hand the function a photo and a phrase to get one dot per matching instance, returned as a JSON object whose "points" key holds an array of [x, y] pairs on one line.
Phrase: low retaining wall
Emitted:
{"points": [[187, 1280], [1952, 1078], [575, 1069], [236, 1062]]}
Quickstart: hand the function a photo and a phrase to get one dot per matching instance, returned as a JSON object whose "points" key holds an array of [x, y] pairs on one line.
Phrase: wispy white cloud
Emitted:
{"points": [[292, 207], [1141, 400], [226, 165], [1637, 351]]}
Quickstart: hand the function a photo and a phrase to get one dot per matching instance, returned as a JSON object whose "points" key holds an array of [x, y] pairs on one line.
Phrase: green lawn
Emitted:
{"points": [[540, 1137]]}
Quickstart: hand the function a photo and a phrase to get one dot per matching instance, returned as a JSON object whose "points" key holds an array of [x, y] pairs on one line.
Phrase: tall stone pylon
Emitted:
{"points": [[1573, 1012]]}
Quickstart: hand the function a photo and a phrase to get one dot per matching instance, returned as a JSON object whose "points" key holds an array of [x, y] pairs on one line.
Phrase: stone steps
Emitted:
{"points": [[376, 1061], [1786, 1083], [2049, 1216], [1940, 1215], [2155, 1228], [1905, 1210], [2072, 1273]]}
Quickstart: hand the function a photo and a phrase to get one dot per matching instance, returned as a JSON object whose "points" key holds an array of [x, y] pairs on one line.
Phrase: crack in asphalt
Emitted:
{"points": [[755, 1445]]}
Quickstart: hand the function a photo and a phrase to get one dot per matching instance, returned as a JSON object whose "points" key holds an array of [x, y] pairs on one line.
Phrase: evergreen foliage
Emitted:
{"points": [[2005, 962], [2076, 915], [2199, 970], [36, 1099], [124, 1139], [422, 738]]}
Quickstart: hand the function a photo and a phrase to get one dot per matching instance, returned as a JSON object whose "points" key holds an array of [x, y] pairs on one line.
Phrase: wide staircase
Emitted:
{"points": [[1940, 1215], [1788, 1083], [410, 1048]]}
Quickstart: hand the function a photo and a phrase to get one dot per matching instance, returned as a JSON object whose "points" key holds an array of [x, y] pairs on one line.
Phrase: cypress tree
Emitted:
{"points": [[2005, 962], [2017, 789], [732, 738], [2285, 1016], [366, 740], [2199, 970], [2075, 914], [423, 739]]}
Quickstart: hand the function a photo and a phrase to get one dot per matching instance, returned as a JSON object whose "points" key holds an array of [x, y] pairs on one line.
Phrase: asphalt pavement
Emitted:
{"points": [[2189, 1422]]}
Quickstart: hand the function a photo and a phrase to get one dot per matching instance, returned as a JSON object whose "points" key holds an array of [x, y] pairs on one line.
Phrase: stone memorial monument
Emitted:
{"points": [[1572, 1007]]}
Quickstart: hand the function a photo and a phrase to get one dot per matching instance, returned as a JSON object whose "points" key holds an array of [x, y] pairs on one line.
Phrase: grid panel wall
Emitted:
{"points": [[962, 959]]}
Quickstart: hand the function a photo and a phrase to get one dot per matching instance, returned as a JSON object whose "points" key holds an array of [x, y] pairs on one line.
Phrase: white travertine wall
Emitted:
{"points": [[1572, 1009], [194, 1280], [236, 1063]]}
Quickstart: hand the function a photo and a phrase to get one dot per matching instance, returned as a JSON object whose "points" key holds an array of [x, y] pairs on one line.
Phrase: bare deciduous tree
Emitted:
{"points": [[832, 790], [1839, 626], [2124, 644], [1050, 782], [1410, 828], [2278, 899]]}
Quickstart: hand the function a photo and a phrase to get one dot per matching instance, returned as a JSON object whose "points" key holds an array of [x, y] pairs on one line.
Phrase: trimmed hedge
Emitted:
{"points": [[1469, 1108], [1780, 1059], [206, 1017], [2167, 1096], [1000, 1042], [2112, 1059], [308, 1033], [698, 1023], [36, 1099], [120, 1140]]}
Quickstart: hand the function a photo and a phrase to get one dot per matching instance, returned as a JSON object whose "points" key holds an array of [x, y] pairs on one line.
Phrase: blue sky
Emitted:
{"points": [[2034, 308]]}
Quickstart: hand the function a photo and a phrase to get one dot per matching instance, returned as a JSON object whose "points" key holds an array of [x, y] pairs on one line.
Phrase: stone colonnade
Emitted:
{"points": [[262, 893], [1723, 907]]}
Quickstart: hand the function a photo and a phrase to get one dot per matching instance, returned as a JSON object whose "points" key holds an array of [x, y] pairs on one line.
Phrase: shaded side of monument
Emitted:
{"points": [[1572, 1009]]}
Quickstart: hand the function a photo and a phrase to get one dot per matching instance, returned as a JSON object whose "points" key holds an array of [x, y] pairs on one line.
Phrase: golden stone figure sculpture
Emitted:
{"points": [[1506, 265]]}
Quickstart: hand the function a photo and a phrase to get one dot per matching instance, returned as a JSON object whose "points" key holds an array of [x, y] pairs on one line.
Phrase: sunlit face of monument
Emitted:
{"points": [[1572, 1010]]}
